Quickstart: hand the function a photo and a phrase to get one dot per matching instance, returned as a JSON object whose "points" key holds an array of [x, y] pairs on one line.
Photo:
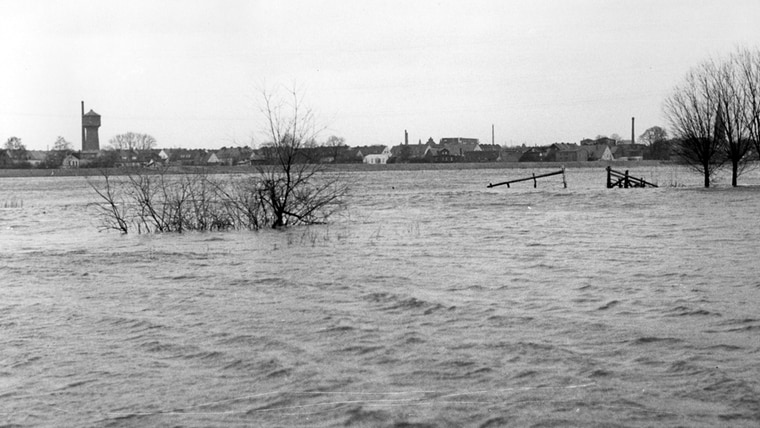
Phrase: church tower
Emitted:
{"points": [[90, 125]]}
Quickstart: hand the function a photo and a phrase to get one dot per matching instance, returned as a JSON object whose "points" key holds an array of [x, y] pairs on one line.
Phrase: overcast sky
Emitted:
{"points": [[188, 72]]}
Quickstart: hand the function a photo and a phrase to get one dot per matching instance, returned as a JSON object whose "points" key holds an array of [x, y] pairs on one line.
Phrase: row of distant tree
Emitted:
{"points": [[62, 148], [126, 141], [17, 154], [658, 147], [714, 114]]}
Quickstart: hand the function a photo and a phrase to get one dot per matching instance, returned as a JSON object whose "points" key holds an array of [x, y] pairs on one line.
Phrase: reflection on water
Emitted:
{"points": [[433, 300]]}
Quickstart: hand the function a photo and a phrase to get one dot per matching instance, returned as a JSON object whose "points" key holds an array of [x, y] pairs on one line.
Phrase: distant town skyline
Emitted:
{"points": [[189, 72]]}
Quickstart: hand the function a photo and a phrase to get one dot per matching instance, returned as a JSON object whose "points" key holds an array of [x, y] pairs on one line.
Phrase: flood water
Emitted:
{"points": [[434, 301]]}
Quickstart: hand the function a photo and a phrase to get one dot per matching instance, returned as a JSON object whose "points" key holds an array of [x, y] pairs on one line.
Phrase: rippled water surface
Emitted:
{"points": [[433, 302]]}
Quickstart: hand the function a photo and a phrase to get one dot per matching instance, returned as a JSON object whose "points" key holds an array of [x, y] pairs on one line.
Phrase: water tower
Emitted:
{"points": [[90, 125]]}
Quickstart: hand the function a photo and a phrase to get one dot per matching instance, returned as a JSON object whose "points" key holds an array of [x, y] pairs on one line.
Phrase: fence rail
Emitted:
{"points": [[625, 180], [534, 177]]}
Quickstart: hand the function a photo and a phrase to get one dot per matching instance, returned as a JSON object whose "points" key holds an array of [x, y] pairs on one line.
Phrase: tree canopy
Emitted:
{"points": [[653, 135], [14, 143], [132, 141], [62, 145]]}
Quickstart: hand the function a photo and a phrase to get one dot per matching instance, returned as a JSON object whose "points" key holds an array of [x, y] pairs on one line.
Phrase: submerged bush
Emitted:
{"points": [[13, 203], [156, 202]]}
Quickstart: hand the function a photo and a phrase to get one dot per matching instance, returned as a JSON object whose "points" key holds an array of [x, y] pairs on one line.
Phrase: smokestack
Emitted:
{"points": [[492, 135], [406, 138], [82, 125], [633, 133]]}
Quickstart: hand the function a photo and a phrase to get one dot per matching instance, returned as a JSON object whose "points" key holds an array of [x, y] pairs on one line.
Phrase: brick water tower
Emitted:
{"points": [[90, 125]]}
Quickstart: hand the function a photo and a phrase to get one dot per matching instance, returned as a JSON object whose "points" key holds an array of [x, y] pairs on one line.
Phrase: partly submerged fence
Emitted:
{"points": [[534, 177], [623, 179], [614, 179]]}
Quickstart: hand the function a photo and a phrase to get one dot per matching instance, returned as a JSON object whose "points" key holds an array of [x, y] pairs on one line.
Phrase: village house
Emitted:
{"points": [[375, 155], [409, 152], [16, 158], [572, 155], [629, 152], [71, 161], [211, 159], [128, 158], [566, 152], [511, 154], [452, 149], [230, 156], [36, 157], [187, 157], [483, 153], [459, 140], [164, 154], [349, 155], [5, 159], [601, 152], [534, 154], [134, 158], [443, 155], [321, 154]]}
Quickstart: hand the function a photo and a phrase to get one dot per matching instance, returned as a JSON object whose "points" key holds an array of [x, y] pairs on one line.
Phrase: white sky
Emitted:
{"points": [[188, 71]]}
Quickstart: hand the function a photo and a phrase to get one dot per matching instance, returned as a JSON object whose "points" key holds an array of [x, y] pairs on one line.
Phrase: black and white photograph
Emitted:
{"points": [[380, 213]]}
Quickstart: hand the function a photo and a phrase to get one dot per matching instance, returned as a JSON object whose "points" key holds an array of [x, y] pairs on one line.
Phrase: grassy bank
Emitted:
{"points": [[491, 165], [358, 167]]}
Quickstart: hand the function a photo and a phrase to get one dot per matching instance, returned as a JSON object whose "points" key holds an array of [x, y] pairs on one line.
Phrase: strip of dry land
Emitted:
{"points": [[352, 167]]}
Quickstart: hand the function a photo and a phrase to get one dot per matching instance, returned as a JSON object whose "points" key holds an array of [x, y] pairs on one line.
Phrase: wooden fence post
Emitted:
{"points": [[609, 177]]}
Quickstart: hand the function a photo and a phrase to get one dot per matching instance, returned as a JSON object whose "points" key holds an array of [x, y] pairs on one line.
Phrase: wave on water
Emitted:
{"points": [[436, 303]]}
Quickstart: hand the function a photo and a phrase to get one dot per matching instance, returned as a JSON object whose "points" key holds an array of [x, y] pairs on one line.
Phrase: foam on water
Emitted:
{"points": [[433, 302]]}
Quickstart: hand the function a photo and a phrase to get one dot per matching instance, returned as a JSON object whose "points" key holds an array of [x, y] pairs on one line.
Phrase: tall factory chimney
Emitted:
{"points": [[633, 133], [82, 125], [406, 138]]}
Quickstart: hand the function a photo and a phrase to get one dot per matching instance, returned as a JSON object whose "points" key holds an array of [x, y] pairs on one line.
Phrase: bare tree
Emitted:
{"points": [[132, 141], [61, 145], [653, 135], [113, 211], [14, 143], [294, 189], [734, 126], [693, 110], [748, 64], [335, 146], [157, 202]]}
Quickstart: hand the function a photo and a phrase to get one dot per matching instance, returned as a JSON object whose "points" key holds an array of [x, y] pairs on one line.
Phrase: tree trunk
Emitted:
{"points": [[734, 173]]}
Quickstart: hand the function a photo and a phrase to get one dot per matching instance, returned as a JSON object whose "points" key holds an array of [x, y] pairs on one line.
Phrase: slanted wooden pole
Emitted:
{"points": [[533, 177]]}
